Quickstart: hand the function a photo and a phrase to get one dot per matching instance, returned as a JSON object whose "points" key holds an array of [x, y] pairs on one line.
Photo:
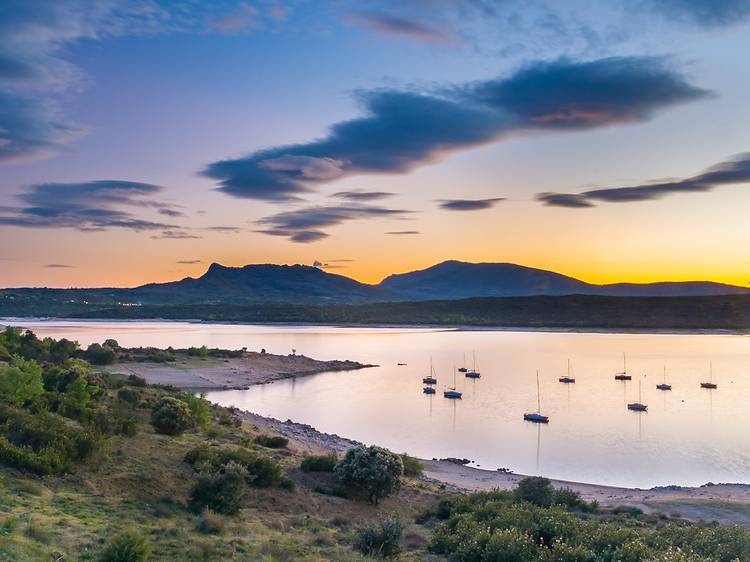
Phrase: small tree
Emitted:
{"points": [[21, 381], [373, 470], [221, 489], [536, 490], [171, 416]]}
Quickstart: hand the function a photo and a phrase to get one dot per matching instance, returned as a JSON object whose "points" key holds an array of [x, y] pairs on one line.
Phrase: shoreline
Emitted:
{"points": [[724, 503], [11, 320]]}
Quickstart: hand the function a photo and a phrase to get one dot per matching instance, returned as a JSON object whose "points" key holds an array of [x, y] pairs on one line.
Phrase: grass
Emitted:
{"points": [[143, 483]]}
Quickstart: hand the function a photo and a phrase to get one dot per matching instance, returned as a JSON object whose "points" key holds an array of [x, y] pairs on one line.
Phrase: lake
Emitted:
{"points": [[689, 436]]}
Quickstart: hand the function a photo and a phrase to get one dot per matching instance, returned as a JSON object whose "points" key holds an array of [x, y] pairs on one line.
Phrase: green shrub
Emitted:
{"points": [[371, 470], [509, 545], [379, 539], [129, 395], [221, 489], [171, 416], [271, 441], [97, 354], [135, 380], [318, 463], [127, 547], [20, 381], [571, 500], [536, 490], [412, 467], [200, 409], [262, 471], [43, 443]]}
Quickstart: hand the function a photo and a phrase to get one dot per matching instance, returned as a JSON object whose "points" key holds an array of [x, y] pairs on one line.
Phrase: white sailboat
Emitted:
{"points": [[623, 375], [430, 379], [710, 384], [537, 417], [664, 385], [473, 374], [452, 392], [638, 406], [567, 379]]}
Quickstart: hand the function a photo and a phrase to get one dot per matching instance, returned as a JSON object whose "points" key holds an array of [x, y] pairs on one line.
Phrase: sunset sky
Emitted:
{"points": [[142, 140]]}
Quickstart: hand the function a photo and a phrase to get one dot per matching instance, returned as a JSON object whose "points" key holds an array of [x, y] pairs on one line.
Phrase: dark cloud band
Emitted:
{"points": [[402, 130], [733, 171]]}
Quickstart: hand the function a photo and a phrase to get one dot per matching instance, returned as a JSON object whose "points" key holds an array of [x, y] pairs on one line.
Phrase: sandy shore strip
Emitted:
{"points": [[203, 374]]}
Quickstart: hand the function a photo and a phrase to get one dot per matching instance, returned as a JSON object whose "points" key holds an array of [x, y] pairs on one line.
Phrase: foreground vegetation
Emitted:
{"points": [[572, 312], [98, 466]]}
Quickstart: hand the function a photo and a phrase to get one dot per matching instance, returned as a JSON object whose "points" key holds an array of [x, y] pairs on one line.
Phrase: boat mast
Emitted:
{"points": [[568, 368], [711, 370], [624, 364], [538, 399]]}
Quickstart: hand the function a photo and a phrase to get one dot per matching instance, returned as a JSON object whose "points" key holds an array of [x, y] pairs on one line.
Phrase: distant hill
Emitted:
{"points": [[300, 284], [259, 283]]}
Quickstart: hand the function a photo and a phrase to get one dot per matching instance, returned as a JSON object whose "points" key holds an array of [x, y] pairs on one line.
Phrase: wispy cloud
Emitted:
{"points": [[702, 13], [402, 26], [175, 235], [225, 229], [469, 204], [58, 266], [733, 171], [304, 225], [242, 18], [403, 130], [403, 232], [188, 262], [361, 195], [86, 206]]}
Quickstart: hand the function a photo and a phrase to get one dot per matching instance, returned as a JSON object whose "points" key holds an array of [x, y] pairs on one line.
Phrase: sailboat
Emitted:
{"points": [[623, 376], [664, 385], [536, 417], [430, 379], [567, 379], [710, 383], [473, 374], [638, 406], [452, 392], [463, 369]]}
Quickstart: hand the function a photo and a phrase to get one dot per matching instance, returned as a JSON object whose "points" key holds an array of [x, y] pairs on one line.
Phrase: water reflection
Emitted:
{"points": [[686, 438]]}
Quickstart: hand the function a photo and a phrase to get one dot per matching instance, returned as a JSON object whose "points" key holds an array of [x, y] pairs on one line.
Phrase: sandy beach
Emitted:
{"points": [[252, 368]]}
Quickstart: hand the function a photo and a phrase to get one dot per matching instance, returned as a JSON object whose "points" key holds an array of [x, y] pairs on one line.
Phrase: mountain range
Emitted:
{"points": [[300, 284]]}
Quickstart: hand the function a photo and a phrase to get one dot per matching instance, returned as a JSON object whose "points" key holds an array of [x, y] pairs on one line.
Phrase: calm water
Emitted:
{"points": [[689, 436]]}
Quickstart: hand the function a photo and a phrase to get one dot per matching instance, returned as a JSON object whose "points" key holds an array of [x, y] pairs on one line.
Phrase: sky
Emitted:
{"points": [[143, 140]]}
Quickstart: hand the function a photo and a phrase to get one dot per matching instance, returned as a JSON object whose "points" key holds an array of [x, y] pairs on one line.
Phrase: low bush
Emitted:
{"points": [[373, 471], [97, 354], [42, 443], [318, 463], [135, 380], [171, 416], [129, 395], [380, 539], [262, 471], [536, 490], [271, 441], [200, 409], [221, 489], [127, 547], [412, 467]]}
